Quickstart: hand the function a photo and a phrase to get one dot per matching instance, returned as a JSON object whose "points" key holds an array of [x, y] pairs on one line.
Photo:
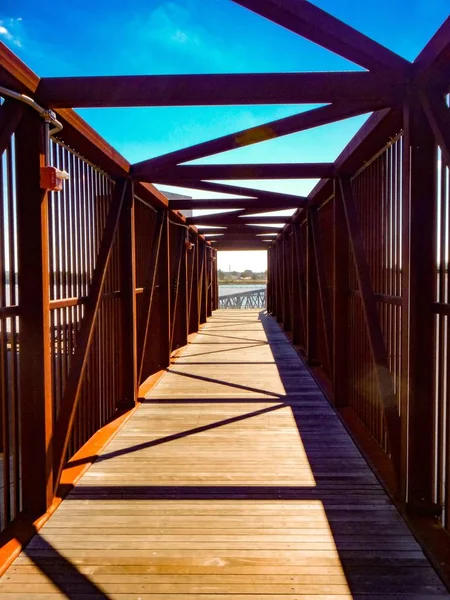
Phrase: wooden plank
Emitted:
{"points": [[313, 23], [211, 90], [260, 133], [36, 410], [377, 347], [66, 416], [241, 171]]}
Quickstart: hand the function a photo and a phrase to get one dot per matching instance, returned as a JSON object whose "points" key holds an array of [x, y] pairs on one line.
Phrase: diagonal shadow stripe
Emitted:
{"points": [[227, 383], [173, 437]]}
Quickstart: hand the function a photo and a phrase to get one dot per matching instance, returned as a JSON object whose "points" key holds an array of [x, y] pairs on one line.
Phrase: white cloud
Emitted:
{"points": [[8, 31], [180, 36]]}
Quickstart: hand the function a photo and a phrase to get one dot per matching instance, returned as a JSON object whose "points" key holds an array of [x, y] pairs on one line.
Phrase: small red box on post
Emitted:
{"points": [[52, 179]]}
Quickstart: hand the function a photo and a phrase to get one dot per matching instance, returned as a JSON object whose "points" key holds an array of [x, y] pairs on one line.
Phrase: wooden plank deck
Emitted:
{"points": [[234, 480]]}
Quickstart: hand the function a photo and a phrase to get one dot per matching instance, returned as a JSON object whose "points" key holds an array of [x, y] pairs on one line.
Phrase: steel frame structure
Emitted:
{"points": [[154, 276]]}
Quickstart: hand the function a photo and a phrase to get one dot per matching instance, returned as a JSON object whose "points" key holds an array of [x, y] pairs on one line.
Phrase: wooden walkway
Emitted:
{"points": [[234, 480]]}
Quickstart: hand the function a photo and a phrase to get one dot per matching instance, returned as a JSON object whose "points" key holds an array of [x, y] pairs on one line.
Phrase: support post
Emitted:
{"points": [[340, 301], [323, 289], [201, 287], [165, 294], [299, 322], [193, 293], [149, 292], [287, 299], [128, 300], [311, 296], [36, 412], [419, 191]]}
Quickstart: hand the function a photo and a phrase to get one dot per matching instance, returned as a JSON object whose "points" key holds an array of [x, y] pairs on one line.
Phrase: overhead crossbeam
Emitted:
{"points": [[241, 171], [244, 230], [253, 135], [318, 26], [255, 204], [211, 89], [432, 66], [224, 188], [236, 218]]}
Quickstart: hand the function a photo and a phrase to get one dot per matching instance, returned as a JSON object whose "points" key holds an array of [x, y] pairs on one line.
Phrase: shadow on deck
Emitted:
{"points": [[234, 479]]}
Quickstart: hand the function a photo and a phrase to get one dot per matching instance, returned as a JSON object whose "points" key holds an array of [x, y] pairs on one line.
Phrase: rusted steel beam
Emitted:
{"points": [[178, 306], [379, 127], [243, 171], [193, 293], [69, 402], [36, 409], [209, 278], [241, 217], [375, 335], [224, 188], [432, 66], [143, 328], [128, 300], [438, 115], [250, 205], [201, 284], [267, 131], [14, 73], [236, 232], [311, 296], [10, 114], [322, 285], [242, 245], [418, 289], [212, 89], [287, 292], [340, 301], [298, 283], [165, 301], [76, 132], [320, 27]]}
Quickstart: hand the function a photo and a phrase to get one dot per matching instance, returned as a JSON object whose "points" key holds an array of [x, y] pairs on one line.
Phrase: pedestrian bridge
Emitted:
{"points": [[155, 446]]}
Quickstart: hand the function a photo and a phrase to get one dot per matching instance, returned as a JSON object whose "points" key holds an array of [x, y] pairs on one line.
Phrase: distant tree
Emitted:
{"points": [[255, 276], [220, 274], [235, 273], [247, 273]]}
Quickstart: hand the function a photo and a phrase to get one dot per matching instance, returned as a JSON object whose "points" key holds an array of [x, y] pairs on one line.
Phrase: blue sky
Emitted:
{"points": [[111, 37]]}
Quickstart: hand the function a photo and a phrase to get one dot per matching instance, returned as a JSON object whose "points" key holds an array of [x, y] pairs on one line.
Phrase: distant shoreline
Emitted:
{"points": [[248, 282]]}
